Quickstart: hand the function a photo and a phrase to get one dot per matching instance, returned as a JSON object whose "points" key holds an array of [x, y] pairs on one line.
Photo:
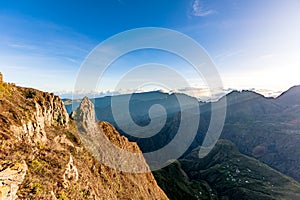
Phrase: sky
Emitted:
{"points": [[254, 44]]}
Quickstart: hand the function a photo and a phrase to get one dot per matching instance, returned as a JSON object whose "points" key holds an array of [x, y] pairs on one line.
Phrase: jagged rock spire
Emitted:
{"points": [[85, 116]]}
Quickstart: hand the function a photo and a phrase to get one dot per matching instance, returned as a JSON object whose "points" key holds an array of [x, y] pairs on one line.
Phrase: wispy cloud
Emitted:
{"points": [[22, 46], [72, 60], [203, 94], [199, 10]]}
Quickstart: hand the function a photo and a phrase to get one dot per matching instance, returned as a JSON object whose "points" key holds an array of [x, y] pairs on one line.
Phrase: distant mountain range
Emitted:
{"points": [[265, 129]]}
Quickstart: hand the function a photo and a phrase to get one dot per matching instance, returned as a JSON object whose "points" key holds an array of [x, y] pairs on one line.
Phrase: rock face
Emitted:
{"points": [[33, 129], [11, 176], [27, 112], [43, 157]]}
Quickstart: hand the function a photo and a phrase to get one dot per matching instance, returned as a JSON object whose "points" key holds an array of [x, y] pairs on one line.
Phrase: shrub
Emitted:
{"points": [[30, 94]]}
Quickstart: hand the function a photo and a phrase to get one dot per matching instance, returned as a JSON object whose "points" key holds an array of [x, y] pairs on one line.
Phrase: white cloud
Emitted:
{"points": [[201, 93], [268, 93], [199, 10]]}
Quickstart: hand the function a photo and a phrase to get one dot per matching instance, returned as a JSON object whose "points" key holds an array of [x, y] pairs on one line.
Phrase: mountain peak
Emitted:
{"points": [[236, 96], [243, 93], [249, 103]]}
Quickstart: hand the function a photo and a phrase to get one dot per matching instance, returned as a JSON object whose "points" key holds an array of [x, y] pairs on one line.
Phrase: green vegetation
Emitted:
{"points": [[174, 181], [36, 188], [30, 94], [4, 90], [38, 166], [62, 196], [224, 173]]}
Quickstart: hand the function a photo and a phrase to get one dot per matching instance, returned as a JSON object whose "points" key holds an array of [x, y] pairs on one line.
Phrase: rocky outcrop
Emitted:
{"points": [[105, 143], [85, 116], [71, 173], [59, 142], [11, 176], [45, 115]]}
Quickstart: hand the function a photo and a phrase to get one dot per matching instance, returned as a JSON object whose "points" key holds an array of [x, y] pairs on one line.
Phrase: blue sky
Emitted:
{"points": [[254, 43]]}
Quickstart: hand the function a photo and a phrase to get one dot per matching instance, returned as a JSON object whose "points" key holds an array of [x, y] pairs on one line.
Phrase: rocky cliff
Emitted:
{"points": [[42, 155]]}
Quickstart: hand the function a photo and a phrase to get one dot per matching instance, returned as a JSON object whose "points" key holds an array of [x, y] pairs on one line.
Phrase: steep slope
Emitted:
{"points": [[225, 174], [267, 129], [274, 143], [43, 157], [291, 97], [260, 127]]}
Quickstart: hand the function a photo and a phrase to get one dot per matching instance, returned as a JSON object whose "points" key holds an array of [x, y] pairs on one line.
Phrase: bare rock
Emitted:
{"points": [[46, 110], [71, 173], [85, 117], [59, 141]]}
